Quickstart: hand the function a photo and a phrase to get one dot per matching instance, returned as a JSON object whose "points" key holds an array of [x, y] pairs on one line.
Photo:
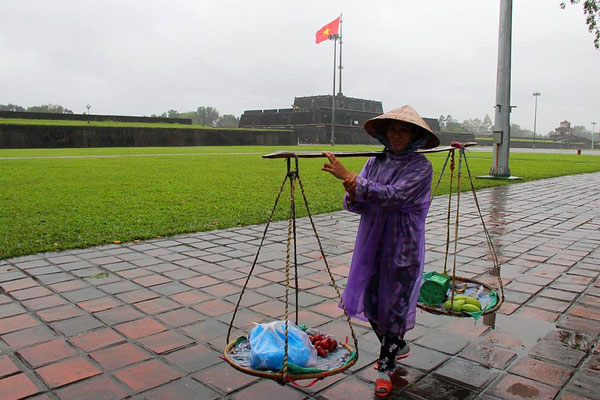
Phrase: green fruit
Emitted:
{"points": [[447, 305], [461, 297], [457, 305], [474, 301], [470, 308]]}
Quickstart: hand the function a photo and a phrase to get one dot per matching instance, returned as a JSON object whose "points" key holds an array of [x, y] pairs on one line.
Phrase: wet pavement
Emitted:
{"points": [[148, 320]]}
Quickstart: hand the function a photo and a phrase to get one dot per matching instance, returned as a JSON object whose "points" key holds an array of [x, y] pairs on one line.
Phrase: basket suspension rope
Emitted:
{"points": [[494, 258], [237, 306], [293, 194], [490, 244], [434, 191], [291, 232], [334, 284], [456, 223], [291, 237], [451, 154]]}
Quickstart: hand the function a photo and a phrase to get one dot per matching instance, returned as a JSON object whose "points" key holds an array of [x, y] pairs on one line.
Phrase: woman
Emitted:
{"points": [[392, 195]]}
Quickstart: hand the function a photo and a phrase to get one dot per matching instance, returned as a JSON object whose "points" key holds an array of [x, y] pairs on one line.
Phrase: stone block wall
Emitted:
{"points": [[92, 117], [41, 136]]}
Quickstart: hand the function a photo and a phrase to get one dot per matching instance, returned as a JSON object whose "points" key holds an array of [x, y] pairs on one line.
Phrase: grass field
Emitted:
{"points": [[57, 199]]}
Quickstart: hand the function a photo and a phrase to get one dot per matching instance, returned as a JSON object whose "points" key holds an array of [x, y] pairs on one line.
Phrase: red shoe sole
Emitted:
{"points": [[383, 384]]}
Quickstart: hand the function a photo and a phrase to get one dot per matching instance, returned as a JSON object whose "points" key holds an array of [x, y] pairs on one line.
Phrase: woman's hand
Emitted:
{"points": [[335, 168]]}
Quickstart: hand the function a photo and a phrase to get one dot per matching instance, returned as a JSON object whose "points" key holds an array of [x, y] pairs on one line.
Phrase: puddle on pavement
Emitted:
{"points": [[433, 388], [529, 331], [577, 341], [399, 378], [523, 391]]}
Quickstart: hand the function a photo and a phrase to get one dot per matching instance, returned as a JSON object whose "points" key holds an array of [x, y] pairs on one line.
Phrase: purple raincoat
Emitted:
{"points": [[392, 196]]}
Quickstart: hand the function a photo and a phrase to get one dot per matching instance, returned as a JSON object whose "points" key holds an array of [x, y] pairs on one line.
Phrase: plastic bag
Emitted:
{"points": [[267, 346]]}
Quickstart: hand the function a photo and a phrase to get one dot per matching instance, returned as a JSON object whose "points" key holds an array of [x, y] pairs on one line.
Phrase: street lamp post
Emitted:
{"points": [[501, 146], [593, 126], [536, 95], [88, 112]]}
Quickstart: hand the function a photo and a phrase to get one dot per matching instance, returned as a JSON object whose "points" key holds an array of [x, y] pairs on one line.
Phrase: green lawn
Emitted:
{"points": [[59, 203]]}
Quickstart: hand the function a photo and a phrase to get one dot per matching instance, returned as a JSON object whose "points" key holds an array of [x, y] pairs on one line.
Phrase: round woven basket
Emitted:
{"points": [[436, 310], [277, 376]]}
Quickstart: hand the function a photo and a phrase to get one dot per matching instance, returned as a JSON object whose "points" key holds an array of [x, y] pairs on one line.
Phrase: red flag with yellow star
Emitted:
{"points": [[331, 28]]}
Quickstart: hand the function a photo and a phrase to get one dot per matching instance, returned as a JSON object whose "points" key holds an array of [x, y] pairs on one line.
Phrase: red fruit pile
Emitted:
{"points": [[323, 344]]}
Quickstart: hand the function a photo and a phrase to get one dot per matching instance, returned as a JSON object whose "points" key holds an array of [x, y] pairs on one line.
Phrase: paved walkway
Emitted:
{"points": [[147, 320]]}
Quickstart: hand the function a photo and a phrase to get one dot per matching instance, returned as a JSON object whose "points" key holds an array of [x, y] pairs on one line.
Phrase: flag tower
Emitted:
{"points": [[333, 31]]}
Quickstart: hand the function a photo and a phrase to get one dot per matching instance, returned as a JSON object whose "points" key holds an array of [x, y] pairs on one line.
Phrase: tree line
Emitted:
{"points": [[206, 116], [475, 126], [485, 126], [479, 126], [46, 108]]}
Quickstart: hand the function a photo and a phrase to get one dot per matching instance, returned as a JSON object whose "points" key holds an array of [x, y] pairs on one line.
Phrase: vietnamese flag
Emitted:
{"points": [[331, 28]]}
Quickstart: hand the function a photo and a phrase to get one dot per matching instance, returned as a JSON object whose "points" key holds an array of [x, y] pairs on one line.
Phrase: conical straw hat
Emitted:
{"points": [[405, 114]]}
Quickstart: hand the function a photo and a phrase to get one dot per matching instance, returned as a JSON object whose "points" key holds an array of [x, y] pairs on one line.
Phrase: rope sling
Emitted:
{"points": [[284, 375], [495, 271]]}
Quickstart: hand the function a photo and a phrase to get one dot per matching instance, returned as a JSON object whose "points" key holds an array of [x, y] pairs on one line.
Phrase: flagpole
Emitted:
{"points": [[340, 67], [335, 37]]}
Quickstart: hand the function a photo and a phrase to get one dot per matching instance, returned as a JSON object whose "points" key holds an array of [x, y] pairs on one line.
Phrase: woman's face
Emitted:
{"points": [[400, 135]]}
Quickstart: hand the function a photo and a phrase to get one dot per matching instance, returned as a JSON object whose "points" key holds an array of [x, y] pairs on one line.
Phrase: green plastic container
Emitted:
{"points": [[433, 290]]}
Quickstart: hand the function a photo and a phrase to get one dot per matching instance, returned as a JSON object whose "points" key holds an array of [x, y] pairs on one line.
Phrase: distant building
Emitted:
{"points": [[310, 119], [565, 134], [564, 129]]}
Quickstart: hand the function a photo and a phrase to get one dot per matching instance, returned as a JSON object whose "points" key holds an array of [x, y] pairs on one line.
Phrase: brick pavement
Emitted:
{"points": [[153, 327]]}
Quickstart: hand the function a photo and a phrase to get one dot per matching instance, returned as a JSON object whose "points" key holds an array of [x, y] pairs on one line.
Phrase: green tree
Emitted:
{"points": [[50, 108], [591, 10], [582, 131], [173, 114], [193, 115], [487, 125], [11, 107], [208, 115], [228, 121], [516, 130], [442, 121], [473, 125], [452, 125]]}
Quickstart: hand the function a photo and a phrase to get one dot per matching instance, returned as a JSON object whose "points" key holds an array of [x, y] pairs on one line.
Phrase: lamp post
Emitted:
{"points": [[593, 126], [536, 95], [501, 146], [88, 112]]}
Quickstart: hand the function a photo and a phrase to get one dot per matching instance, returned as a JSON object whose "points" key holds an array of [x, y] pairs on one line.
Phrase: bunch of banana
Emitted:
{"points": [[463, 303]]}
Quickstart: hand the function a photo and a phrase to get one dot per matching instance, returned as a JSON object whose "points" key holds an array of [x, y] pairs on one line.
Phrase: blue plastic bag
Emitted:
{"points": [[267, 346]]}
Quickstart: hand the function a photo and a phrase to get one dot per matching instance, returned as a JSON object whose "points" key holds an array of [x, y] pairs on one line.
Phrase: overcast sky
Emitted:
{"points": [[145, 57]]}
